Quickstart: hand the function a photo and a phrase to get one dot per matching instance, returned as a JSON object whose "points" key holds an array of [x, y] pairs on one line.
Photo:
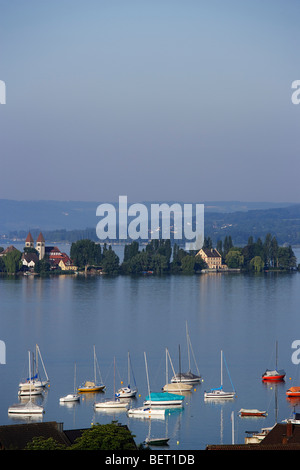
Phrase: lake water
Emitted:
{"points": [[241, 314]]}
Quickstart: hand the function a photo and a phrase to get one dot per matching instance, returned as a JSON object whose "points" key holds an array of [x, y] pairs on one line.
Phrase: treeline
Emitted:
{"points": [[256, 255], [158, 257]]}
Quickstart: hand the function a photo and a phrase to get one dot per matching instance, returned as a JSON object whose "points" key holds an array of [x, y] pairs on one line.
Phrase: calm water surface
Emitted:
{"points": [[241, 314]]}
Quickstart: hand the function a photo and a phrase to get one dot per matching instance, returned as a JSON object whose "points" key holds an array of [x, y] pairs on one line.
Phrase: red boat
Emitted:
{"points": [[293, 392], [245, 412], [273, 375]]}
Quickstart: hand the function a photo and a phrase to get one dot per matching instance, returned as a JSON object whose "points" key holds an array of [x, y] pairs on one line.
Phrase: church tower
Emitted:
{"points": [[40, 246], [29, 241]]}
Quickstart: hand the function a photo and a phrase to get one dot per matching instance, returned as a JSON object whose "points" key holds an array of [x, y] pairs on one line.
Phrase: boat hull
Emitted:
{"points": [[219, 394], [293, 392], [146, 412], [159, 441], [69, 398], [163, 399], [27, 409], [273, 376], [111, 404], [178, 387], [92, 388], [186, 378], [257, 413], [126, 392]]}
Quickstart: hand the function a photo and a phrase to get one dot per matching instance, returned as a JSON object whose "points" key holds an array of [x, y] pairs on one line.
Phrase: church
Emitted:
{"points": [[52, 253]]}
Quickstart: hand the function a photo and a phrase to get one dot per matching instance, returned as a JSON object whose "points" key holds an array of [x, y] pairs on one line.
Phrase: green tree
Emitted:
{"points": [[42, 443], [130, 251], [86, 253], [188, 264], [234, 258], [105, 437], [286, 258], [12, 261], [42, 266], [257, 264], [110, 261]]}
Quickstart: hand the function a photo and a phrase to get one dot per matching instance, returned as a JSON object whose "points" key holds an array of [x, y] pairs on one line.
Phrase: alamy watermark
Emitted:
{"points": [[2, 352], [296, 94], [2, 92], [183, 222]]}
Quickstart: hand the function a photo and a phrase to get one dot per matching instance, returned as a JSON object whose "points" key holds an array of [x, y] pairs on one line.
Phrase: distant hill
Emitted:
{"points": [[284, 223], [76, 219]]}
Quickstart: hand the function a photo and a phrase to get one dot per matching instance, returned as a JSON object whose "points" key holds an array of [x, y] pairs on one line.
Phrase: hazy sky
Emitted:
{"points": [[154, 99]]}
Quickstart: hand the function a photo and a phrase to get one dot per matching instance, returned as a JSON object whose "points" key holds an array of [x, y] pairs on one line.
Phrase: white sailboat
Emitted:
{"points": [[92, 386], [115, 402], [32, 386], [218, 393], [71, 396], [147, 411], [176, 385], [127, 392], [28, 408], [36, 381], [188, 377]]}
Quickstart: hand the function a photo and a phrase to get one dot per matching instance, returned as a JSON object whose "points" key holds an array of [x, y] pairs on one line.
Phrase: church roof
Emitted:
{"points": [[29, 238], [40, 238]]}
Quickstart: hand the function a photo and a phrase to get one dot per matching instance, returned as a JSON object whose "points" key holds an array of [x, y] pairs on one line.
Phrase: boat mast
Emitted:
{"points": [[147, 377], [94, 365], [188, 345], [221, 368], [39, 354]]}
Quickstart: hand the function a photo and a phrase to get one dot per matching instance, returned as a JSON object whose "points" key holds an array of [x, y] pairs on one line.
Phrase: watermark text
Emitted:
{"points": [[161, 221]]}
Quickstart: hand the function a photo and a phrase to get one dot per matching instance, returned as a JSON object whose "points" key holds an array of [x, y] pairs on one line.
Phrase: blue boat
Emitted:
{"points": [[163, 399]]}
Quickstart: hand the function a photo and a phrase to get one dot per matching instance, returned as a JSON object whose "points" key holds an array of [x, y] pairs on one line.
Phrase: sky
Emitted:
{"points": [[166, 100]]}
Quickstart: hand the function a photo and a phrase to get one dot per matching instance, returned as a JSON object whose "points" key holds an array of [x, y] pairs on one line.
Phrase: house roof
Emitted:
{"points": [[16, 436], [283, 436], [30, 257], [211, 252], [9, 249]]}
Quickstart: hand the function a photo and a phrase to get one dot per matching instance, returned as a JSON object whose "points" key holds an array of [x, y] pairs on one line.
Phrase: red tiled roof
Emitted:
{"points": [[40, 238], [29, 238]]}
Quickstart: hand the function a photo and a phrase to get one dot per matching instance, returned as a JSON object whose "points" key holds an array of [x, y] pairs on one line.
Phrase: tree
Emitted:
{"points": [[42, 266], [42, 443], [12, 261], [257, 264], [110, 261], [105, 437], [188, 264], [85, 253], [286, 258], [234, 258], [130, 251]]}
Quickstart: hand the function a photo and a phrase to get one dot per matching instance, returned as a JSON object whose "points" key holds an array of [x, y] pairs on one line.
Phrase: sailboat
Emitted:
{"points": [[28, 408], [92, 386], [188, 377], [36, 382], [147, 411], [219, 392], [127, 392], [176, 386], [71, 396], [274, 375], [155, 441], [115, 402]]}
